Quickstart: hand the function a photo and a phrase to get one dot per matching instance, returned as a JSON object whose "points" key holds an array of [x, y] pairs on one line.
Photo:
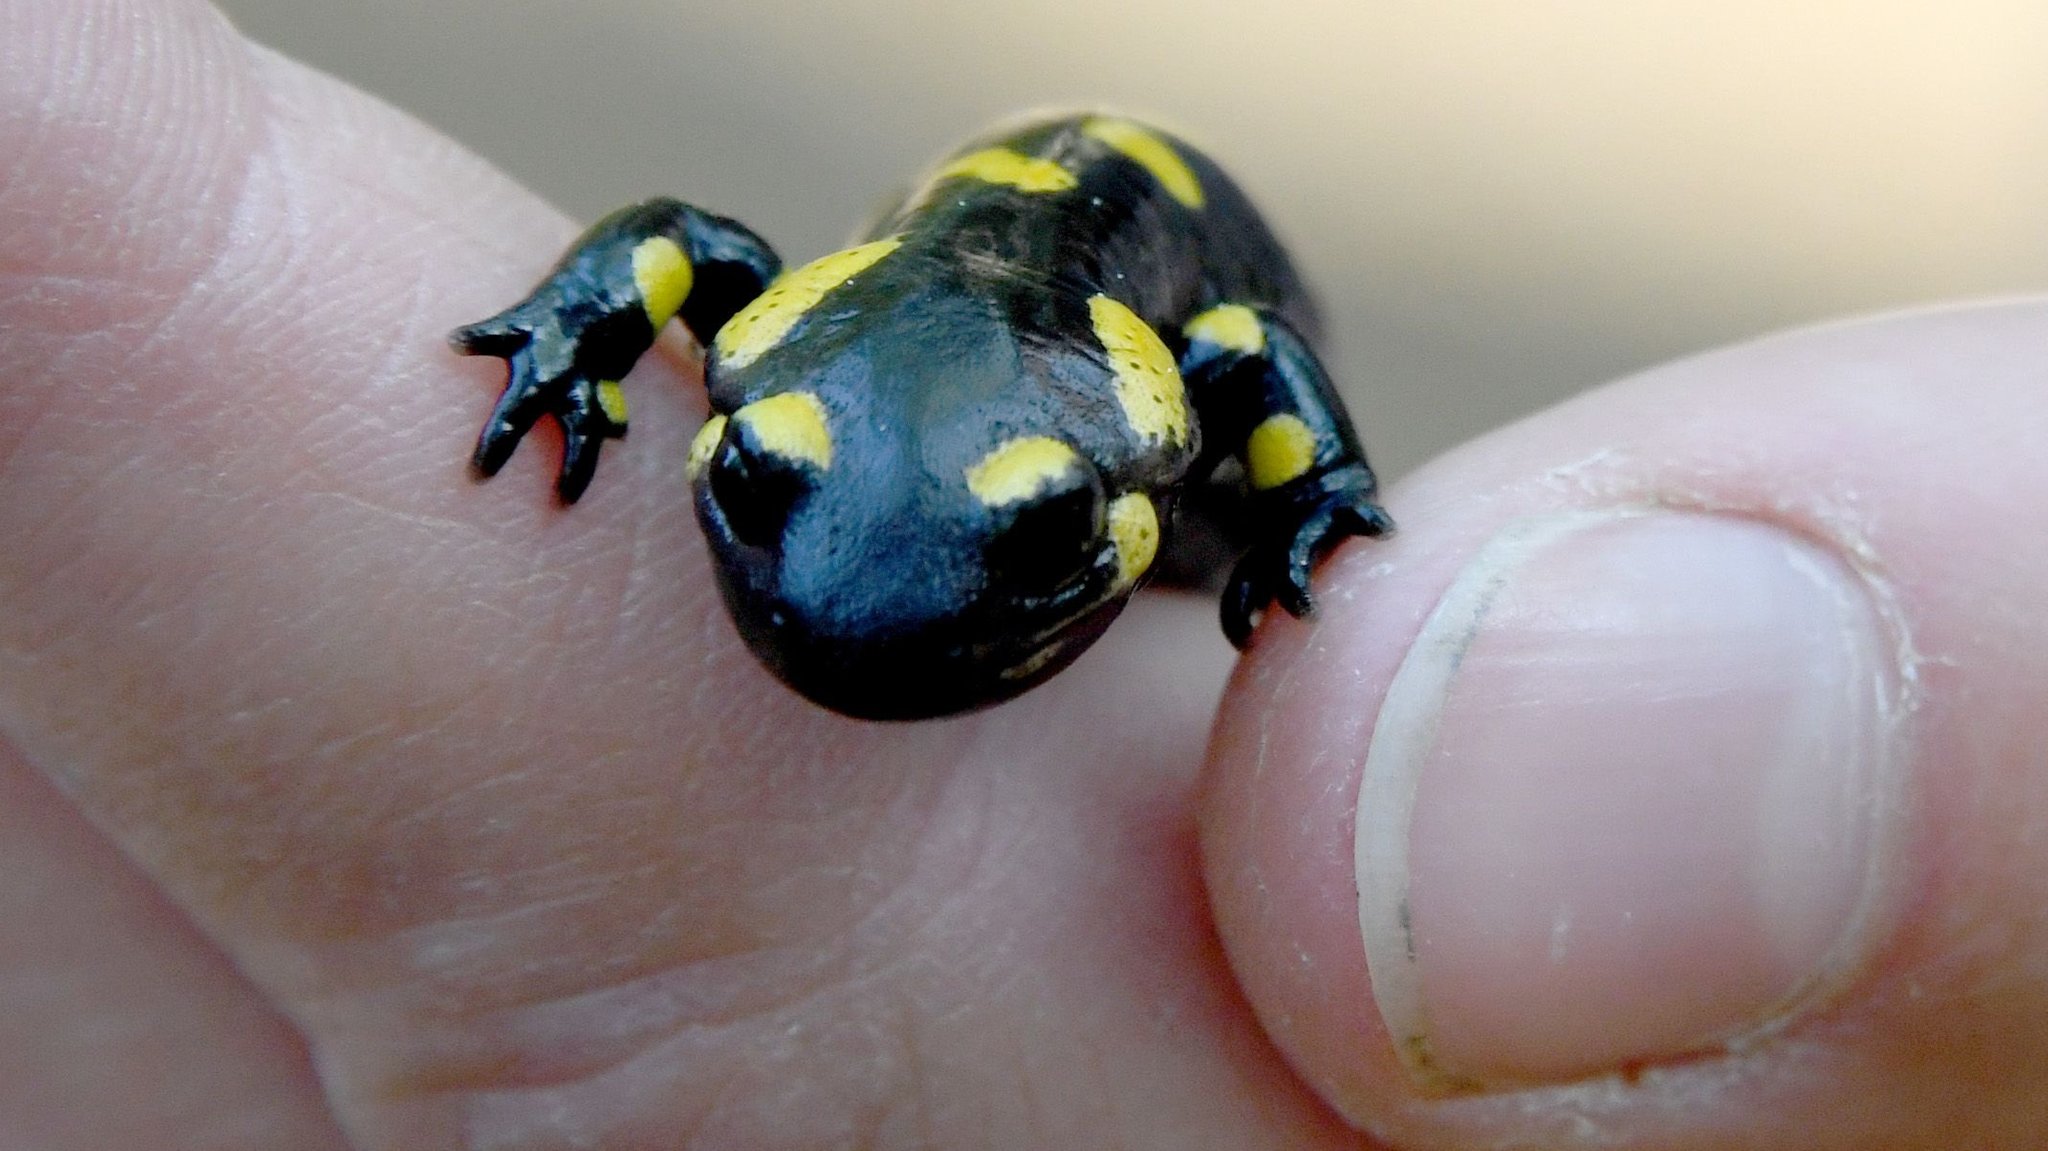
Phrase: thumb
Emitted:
{"points": [[1696, 734]]}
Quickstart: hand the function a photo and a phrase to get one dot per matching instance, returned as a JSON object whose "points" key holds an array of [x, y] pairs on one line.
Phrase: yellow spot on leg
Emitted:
{"points": [[1134, 529], [1148, 385], [663, 275], [761, 324], [1008, 167], [790, 425], [1019, 469], [1232, 326], [1278, 450], [611, 399], [1151, 153], [702, 447]]}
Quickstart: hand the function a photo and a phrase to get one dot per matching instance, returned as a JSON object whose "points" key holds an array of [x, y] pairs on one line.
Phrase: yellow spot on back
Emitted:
{"points": [[1019, 469], [702, 447], [611, 400], [663, 275], [1148, 386], [1278, 450], [1005, 166], [1151, 153], [1134, 528], [790, 425], [1232, 326], [761, 324]]}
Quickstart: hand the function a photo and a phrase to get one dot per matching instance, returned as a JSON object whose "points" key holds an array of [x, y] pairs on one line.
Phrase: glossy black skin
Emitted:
{"points": [[880, 586], [584, 323]]}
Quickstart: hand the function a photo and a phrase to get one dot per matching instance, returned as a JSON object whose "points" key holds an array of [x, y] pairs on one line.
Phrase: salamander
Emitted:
{"points": [[939, 462]]}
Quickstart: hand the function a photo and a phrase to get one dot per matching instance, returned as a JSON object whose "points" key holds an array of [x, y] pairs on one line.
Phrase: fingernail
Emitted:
{"points": [[1627, 799]]}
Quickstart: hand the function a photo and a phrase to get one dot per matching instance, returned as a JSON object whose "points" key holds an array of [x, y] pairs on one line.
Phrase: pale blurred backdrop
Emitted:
{"points": [[1498, 204]]}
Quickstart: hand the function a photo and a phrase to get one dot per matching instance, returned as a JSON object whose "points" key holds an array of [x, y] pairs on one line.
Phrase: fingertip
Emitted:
{"points": [[1477, 883], [1601, 806], [128, 125], [1277, 844]]}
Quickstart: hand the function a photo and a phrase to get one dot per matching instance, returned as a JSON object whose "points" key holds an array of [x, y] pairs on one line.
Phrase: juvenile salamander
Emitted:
{"points": [[939, 462]]}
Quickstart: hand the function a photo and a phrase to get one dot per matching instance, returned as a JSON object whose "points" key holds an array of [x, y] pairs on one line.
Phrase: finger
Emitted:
{"points": [[1674, 779], [488, 799]]}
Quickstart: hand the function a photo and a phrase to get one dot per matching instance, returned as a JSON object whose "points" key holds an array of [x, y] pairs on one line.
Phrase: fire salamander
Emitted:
{"points": [[939, 462]]}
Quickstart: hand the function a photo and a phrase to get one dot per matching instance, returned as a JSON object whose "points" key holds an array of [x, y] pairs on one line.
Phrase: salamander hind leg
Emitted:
{"points": [[579, 332], [1264, 397]]}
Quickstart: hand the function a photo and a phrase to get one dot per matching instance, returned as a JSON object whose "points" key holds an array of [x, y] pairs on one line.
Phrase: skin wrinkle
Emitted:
{"points": [[541, 1118], [873, 975], [135, 334], [731, 1010], [722, 1104], [457, 705], [791, 997], [390, 365], [861, 1070], [19, 436], [362, 423], [109, 980], [916, 1101], [426, 523], [901, 1030]]}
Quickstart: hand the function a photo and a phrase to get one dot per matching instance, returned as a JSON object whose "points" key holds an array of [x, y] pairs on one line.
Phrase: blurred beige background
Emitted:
{"points": [[1498, 204]]}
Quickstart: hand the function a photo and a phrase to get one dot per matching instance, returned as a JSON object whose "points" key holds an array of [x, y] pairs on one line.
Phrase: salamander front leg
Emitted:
{"points": [[582, 328], [1264, 397]]}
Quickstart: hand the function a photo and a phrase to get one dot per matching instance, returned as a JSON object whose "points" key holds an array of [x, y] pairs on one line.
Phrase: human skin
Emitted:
{"points": [[347, 802]]}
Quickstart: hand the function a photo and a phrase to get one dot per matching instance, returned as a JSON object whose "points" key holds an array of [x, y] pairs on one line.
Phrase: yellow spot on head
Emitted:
{"points": [[1148, 386], [790, 425], [611, 400], [1232, 326], [1151, 153], [663, 275], [1278, 450], [1134, 528], [1005, 166], [702, 447], [1019, 469], [761, 324]]}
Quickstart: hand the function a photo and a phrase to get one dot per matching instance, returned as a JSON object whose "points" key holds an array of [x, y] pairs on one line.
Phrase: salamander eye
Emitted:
{"points": [[755, 489], [1049, 538], [762, 460], [1045, 507]]}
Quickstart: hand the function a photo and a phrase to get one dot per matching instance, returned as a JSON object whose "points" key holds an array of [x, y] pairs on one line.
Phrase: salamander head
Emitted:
{"points": [[889, 571], [932, 492]]}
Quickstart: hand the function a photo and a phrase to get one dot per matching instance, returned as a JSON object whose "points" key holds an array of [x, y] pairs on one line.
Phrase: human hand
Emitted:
{"points": [[423, 811]]}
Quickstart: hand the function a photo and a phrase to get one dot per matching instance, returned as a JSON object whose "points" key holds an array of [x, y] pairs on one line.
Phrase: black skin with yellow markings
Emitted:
{"points": [[585, 323], [931, 464]]}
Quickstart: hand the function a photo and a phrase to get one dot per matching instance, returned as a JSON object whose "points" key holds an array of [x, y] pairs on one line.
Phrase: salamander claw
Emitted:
{"points": [[1278, 566], [572, 401]]}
